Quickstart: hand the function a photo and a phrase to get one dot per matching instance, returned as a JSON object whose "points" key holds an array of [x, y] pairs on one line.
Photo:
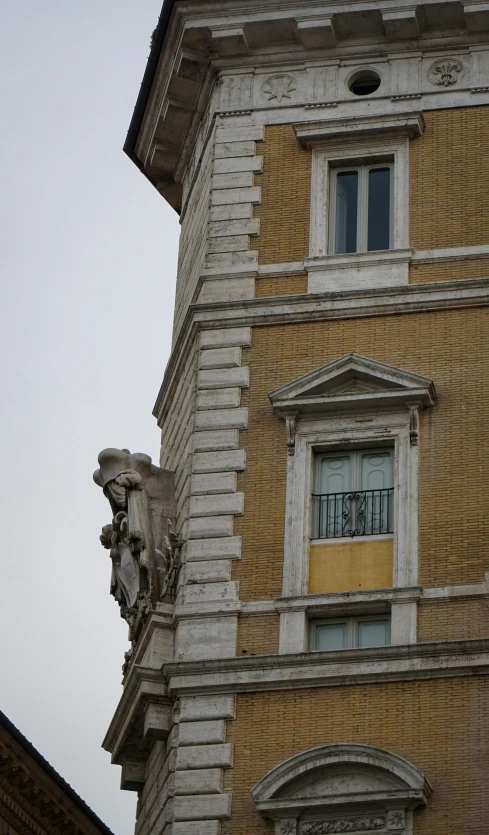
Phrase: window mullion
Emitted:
{"points": [[362, 209]]}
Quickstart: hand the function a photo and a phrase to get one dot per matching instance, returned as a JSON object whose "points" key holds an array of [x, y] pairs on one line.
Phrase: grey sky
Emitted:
{"points": [[88, 266]]}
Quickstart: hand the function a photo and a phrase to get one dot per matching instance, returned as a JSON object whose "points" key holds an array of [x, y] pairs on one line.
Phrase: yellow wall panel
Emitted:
{"points": [[452, 347], [440, 725], [286, 196], [349, 566]]}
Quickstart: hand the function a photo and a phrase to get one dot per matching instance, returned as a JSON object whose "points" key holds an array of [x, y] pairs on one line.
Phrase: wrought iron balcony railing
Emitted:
{"points": [[355, 513]]}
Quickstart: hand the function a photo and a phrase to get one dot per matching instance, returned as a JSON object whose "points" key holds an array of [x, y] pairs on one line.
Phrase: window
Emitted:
{"points": [[350, 632], [353, 494], [361, 208]]}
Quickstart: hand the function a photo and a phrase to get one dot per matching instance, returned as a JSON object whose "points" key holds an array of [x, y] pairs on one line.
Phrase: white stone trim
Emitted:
{"points": [[228, 461], [200, 732], [355, 270], [323, 156], [441, 659], [220, 358], [452, 253], [205, 756]]}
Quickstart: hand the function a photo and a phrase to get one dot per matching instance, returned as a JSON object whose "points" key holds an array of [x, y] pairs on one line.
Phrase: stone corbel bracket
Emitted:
{"points": [[142, 715]]}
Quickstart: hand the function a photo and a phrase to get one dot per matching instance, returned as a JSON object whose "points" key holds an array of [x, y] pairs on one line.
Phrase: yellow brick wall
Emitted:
{"points": [[449, 200], [362, 563], [441, 726], [462, 268], [286, 285], [449, 195], [449, 620], [286, 196], [451, 347], [258, 634]]}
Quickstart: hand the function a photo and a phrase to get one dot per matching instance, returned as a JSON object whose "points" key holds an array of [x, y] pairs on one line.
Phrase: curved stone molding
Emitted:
{"points": [[342, 788]]}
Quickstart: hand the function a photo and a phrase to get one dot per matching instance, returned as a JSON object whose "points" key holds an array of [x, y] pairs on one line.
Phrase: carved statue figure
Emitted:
{"points": [[143, 546]]}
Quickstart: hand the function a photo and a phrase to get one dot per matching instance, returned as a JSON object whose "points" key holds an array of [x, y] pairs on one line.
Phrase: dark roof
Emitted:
{"points": [[145, 89], [53, 774]]}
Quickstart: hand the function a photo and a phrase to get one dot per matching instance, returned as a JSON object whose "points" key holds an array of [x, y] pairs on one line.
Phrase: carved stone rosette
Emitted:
{"points": [[143, 547]]}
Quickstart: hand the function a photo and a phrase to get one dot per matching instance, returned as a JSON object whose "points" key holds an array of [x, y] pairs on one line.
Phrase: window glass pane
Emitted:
{"points": [[379, 202], [373, 633], [334, 480], [346, 211], [377, 510], [376, 470], [331, 636]]}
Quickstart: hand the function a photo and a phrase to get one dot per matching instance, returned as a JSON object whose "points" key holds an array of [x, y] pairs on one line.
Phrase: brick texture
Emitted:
{"points": [[450, 347], [449, 201], [441, 726], [286, 194], [258, 634], [448, 620], [462, 268], [286, 285]]}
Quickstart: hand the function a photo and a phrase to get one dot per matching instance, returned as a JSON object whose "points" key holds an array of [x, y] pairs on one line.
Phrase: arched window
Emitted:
{"points": [[342, 788]]}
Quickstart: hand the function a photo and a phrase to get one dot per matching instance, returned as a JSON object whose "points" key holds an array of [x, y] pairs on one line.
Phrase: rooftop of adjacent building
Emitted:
{"points": [[12, 740]]}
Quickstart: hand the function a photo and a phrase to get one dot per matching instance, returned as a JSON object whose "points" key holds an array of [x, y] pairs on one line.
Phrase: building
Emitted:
{"points": [[310, 642], [34, 798]]}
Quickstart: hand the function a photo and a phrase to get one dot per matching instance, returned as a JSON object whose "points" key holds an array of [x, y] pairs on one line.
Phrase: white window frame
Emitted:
{"points": [[351, 622], [355, 454], [326, 158], [362, 205], [325, 433]]}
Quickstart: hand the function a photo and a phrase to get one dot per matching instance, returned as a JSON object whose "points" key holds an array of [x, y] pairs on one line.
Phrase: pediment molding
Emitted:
{"points": [[352, 382], [359, 787]]}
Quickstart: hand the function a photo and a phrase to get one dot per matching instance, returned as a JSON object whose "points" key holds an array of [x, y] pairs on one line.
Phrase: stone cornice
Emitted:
{"points": [[442, 659], [413, 298], [193, 42]]}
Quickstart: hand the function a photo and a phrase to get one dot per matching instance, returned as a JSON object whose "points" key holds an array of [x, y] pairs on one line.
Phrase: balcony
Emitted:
{"points": [[354, 513]]}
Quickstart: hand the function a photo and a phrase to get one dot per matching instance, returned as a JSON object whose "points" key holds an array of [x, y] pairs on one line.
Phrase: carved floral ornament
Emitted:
{"points": [[144, 548], [445, 72], [279, 87]]}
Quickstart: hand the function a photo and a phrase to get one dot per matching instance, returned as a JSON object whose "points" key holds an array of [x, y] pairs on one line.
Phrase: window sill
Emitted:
{"points": [[356, 270], [339, 540]]}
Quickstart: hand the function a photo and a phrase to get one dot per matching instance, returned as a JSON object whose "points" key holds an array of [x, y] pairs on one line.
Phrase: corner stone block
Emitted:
{"points": [[202, 807], [218, 505], [226, 338], [208, 592], [219, 439], [201, 781], [205, 756], [200, 639], [188, 828], [226, 461], [218, 399], [208, 571], [228, 548], [225, 378], [210, 526], [193, 708], [209, 483], [198, 733], [220, 358], [222, 419]]}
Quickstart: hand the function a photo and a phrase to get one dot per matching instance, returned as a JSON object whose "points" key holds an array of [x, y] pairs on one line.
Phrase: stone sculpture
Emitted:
{"points": [[143, 546]]}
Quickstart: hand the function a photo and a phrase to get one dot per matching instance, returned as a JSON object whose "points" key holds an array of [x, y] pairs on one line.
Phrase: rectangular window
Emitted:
{"points": [[353, 494], [347, 633], [361, 208]]}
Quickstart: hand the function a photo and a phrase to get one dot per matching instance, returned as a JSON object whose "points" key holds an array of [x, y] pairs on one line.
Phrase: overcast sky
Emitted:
{"points": [[88, 253]]}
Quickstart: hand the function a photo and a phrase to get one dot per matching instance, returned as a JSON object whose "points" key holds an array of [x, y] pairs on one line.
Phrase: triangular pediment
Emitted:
{"points": [[354, 379]]}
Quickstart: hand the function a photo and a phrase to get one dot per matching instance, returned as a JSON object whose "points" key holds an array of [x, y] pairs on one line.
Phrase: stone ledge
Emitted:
{"points": [[326, 669]]}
